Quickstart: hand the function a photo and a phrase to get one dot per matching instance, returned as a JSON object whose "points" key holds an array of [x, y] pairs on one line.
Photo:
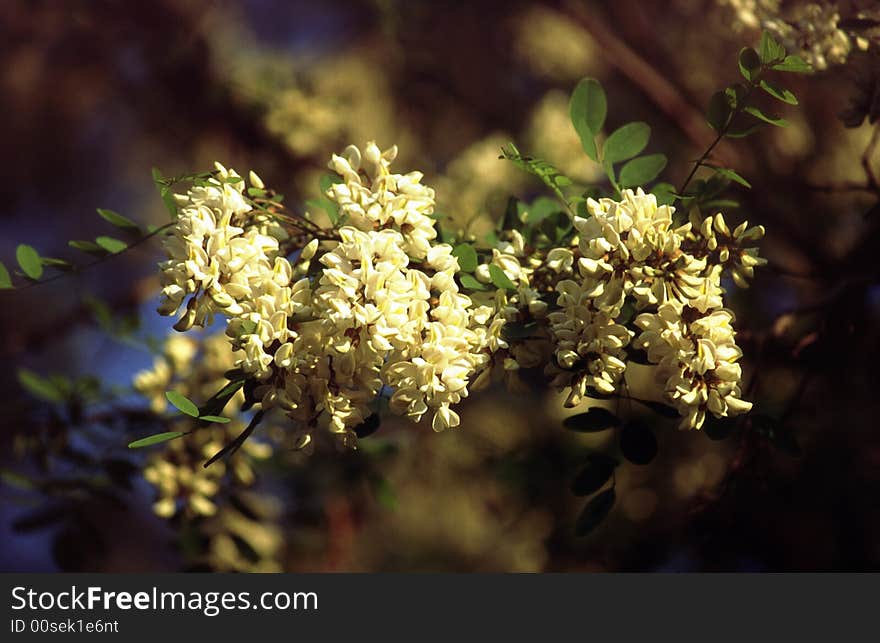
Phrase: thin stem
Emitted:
{"points": [[82, 268], [740, 105]]}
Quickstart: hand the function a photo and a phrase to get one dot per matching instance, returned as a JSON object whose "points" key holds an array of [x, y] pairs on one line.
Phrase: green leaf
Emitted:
{"points": [[597, 471], [771, 51], [540, 209], [587, 109], [638, 443], [594, 512], [327, 206], [779, 93], [182, 403], [793, 64], [219, 419], [327, 181], [116, 219], [39, 387], [551, 177], [215, 405], [29, 260], [499, 279], [719, 111], [5, 279], [642, 170], [665, 193], [158, 438], [470, 282], [111, 244], [87, 246], [749, 63], [627, 141], [467, 257], [595, 419], [59, 264], [733, 176], [772, 120]]}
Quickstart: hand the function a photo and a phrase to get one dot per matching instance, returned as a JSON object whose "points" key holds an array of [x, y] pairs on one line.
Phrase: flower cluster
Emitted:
{"points": [[631, 257], [373, 311]]}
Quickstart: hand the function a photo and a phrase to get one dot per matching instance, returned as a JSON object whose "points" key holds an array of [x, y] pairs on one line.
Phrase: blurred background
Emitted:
{"points": [[96, 93]]}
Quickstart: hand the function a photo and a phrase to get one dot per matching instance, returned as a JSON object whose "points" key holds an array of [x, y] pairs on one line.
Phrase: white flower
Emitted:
{"points": [[697, 360]]}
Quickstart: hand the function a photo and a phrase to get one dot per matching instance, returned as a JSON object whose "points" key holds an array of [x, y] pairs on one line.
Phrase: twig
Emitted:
{"points": [[82, 268]]}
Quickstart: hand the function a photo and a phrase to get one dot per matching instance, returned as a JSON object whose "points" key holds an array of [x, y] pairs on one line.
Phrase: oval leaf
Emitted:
{"points": [[5, 279], [594, 512], [116, 219], [794, 64], [749, 63], [733, 176], [638, 443], [111, 245], [761, 116], [218, 419], [158, 438], [29, 260], [587, 110], [467, 257], [470, 282], [779, 93], [594, 475], [88, 246], [39, 387], [642, 170], [627, 141], [719, 111], [499, 279], [182, 403]]}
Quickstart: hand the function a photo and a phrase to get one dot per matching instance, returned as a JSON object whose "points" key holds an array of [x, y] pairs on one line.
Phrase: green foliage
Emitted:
{"points": [[778, 92], [665, 193], [467, 257], [626, 142], [596, 472], [5, 279], [116, 219], [327, 206], [29, 261], [182, 403], [772, 120], [749, 63], [218, 419], [499, 279], [720, 110], [595, 419], [587, 109], [111, 244], [158, 438], [595, 512], [733, 176], [771, 51], [42, 388], [552, 177], [642, 170], [470, 282], [89, 247], [793, 64]]}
